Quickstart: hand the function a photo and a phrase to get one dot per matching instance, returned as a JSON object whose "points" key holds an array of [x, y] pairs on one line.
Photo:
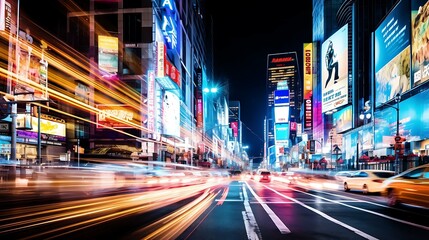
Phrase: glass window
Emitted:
{"points": [[416, 173]]}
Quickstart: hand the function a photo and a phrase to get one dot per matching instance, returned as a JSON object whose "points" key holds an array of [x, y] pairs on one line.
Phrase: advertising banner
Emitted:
{"points": [[171, 114], [281, 114], [343, 119], [335, 70], [108, 54], [420, 44], [281, 132], [308, 70], [308, 114], [281, 97], [115, 116], [392, 54]]}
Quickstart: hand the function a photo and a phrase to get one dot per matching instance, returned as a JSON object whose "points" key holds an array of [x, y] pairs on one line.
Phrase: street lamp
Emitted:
{"points": [[397, 137], [331, 136]]}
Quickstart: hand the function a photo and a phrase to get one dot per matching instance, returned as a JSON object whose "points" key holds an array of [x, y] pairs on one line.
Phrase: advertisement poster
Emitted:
{"points": [[108, 54], [343, 119], [413, 121], [335, 70], [392, 54], [171, 114], [420, 33]]}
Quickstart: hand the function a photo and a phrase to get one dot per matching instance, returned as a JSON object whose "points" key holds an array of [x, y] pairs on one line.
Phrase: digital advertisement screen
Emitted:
{"points": [[108, 54], [334, 54], [50, 130], [281, 97], [282, 132], [413, 121], [171, 114], [308, 70], [343, 119], [420, 33], [392, 54], [281, 114], [116, 116]]}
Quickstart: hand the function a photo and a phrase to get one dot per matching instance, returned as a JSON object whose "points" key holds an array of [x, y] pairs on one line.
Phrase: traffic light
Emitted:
{"points": [[311, 146], [399, 148]]}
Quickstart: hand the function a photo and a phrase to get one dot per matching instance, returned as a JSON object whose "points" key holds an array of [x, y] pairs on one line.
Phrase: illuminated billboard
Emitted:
{"points": [[281, 97], [281, 114], [419, 31], [108, 54], [115, 116], [334, 67], [308, 114], [343, 119], [413, 121], [308, 70], [282, 132], [392, 54], [51, 128], [171, 114]]}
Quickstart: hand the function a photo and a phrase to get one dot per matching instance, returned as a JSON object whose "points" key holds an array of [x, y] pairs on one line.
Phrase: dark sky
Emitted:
{"points": [[245, 32]]}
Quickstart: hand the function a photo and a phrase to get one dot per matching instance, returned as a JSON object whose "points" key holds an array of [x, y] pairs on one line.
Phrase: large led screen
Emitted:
{"points": [[335, 70], [343, 119], [171, 114], [413, 121], [392, 54], [282, 132], [420, 38], [281, 114], [108, 54], [281, 97]]}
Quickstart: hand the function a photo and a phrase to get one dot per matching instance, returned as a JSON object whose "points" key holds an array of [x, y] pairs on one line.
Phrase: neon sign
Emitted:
{"points": [[169, 29]]}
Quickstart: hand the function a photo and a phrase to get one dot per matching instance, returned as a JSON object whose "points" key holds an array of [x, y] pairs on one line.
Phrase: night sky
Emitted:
{"points": [[245, 32]]}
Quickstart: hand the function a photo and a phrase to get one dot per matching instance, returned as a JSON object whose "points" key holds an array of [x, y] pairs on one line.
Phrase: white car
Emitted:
{"points": [[342, 175], [367, 181]]}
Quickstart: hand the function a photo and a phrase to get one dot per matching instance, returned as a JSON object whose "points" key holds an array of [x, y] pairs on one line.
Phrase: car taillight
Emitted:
{"points": [[378, 180]]}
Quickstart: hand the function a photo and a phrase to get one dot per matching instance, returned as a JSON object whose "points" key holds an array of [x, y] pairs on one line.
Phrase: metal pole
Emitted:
{"points": [[331, 150], [78, 156], [39, 137], [397, 134]]}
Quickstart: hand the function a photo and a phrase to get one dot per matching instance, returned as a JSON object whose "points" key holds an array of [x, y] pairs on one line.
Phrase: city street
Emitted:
{"points": [[227, 209]]}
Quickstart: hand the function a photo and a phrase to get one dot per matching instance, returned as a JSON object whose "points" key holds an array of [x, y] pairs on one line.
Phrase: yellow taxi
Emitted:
{"points": [[409, 187]]}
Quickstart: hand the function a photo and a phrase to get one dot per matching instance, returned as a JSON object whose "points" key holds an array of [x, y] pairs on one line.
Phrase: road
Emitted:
{"points": [[226, 209]]}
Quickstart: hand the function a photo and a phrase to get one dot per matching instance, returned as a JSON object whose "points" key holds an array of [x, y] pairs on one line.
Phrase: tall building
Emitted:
{"points": [[283, 77], [354, 29], [127, 74]]}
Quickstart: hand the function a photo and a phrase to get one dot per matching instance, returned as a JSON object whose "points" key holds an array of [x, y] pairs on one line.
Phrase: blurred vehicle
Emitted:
{"points": [[367, 181], [409, 187], [264, 176], [286, 177], [236, 175], [342, 175]]}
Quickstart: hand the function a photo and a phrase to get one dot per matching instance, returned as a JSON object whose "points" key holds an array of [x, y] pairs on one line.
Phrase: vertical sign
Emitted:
{"points": [[151, 101], [199, 76], [108, 54], [308, 70], [308, 114]]}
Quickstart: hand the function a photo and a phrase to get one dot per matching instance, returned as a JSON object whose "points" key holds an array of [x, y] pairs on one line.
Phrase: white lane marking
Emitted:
{"points": [[252, 228], [279, 224], [229, 200], [365, 210], [355, 230]]}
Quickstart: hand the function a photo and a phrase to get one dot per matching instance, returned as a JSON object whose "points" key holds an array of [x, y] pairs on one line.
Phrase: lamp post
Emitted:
{"points": [[331, 136], [397, 100]]}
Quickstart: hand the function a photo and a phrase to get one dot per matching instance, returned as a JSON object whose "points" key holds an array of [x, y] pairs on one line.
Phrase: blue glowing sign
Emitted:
{"points": [[169, 24], [281, 97]]}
